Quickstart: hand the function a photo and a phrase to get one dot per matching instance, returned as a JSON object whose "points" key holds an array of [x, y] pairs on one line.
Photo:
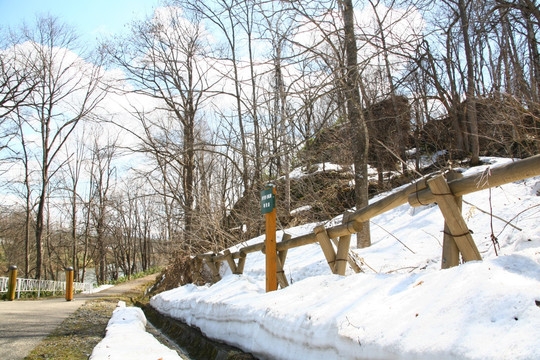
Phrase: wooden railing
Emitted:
{"points": [[438, 187]]}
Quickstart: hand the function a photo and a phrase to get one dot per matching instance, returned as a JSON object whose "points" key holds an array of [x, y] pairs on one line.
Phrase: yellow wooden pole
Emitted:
{"points": [[12, 283], [268, 207], [69, 283]]}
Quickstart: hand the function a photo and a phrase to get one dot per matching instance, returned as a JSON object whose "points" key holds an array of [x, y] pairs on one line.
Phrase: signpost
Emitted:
{"points": [[268, 207]]}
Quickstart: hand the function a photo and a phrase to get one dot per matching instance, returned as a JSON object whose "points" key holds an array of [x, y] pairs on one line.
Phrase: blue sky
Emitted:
{"points": [[91, 18]]}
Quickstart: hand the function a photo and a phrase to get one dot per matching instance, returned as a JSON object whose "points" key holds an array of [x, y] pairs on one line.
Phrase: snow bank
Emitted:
{"points": [[403, 306], [126, 338], [479, 310]]}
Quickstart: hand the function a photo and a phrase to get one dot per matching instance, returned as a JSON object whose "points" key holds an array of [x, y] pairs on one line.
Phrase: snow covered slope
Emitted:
{"points": [[403, 306]]}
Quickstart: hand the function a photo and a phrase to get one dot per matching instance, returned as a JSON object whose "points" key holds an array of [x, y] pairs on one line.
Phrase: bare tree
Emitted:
{"points": [[17, 81], [103, 181], [75, 155], [164, 60], [356, 117], [67, 91], [25, 157]]}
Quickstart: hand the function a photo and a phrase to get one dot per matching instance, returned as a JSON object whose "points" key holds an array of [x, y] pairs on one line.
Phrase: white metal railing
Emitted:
{"points": [[4, 284], [32, 285]]}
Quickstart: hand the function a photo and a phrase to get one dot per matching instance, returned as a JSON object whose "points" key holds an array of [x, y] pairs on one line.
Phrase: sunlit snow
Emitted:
{"points": [[403, 306]]}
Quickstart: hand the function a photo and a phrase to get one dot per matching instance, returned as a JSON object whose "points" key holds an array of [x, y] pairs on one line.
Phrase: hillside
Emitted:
{"points": [[402, 306]]}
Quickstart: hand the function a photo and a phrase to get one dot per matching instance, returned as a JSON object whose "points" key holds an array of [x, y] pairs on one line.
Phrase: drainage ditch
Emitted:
{"points": [[191, 340]]}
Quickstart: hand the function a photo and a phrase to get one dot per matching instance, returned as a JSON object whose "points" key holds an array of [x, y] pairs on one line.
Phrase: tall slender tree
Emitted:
{"points": [[67, 91]]}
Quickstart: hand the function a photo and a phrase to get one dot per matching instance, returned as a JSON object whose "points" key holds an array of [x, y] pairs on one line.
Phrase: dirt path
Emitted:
{"points": [[24, 323]]}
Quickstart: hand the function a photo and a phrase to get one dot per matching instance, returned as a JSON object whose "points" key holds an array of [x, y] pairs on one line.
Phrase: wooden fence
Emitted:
{"points": [[444, 189]]}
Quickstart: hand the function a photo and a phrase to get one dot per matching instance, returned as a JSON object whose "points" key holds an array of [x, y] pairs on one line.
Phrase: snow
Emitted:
{"points": [[402, 306], [126, 338], [98, 289], [301, 209], [299, 172]]}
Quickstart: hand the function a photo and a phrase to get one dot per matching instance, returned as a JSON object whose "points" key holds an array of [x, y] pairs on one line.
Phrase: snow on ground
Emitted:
{"points": [[403, 306], [126, 338], [98, 289]]}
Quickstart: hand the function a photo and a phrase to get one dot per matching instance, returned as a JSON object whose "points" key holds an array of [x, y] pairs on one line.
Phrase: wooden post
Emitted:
{"points": [[450, 252], [12, 282], [343, 249], [241, 263], [281, 277], [326, 246], [214, 269], [452, 215], [230, 260], [268, 207], [69, 283]]}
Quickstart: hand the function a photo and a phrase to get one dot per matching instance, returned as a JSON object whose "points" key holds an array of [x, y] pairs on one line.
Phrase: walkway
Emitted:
{"points": [[24, 323]]}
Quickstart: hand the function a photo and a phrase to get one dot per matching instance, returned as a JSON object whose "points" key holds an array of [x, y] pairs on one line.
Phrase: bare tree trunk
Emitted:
{"points": [[534, 58], [39, 231], [281, 100], [471, 96], [256, 127], [388, 71], [356, 119]]}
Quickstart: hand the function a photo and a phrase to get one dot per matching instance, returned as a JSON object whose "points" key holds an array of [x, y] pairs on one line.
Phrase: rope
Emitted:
{"points": [[456, 236]]}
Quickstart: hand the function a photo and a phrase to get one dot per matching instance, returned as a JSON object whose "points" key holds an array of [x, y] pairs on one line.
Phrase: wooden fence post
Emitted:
{"points": [[235, 268], [452, 216], [343, 249], [230, 260], [450, 252], [214, 269], [281, 277], [241, 263], [326, 246], [12, 282], [69, 283]]}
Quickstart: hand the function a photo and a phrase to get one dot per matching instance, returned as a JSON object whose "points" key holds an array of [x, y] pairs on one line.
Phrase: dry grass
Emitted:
{"points": [[77, 336]]}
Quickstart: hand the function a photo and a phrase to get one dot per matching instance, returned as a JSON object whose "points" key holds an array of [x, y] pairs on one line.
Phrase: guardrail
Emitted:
{"points": [[33, 285]]}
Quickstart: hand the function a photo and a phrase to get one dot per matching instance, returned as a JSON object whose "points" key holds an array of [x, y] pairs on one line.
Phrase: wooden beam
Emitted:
{"points": [[282, 278], [452, 215], [326, 246], [282, 255], [343, 249], [230, 260], [241, 264], [514, 171], [214, 268], [450, 251], [354, 264]]}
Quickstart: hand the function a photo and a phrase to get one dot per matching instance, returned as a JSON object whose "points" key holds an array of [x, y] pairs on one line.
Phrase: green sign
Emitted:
{"points": [[268, 200]]}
